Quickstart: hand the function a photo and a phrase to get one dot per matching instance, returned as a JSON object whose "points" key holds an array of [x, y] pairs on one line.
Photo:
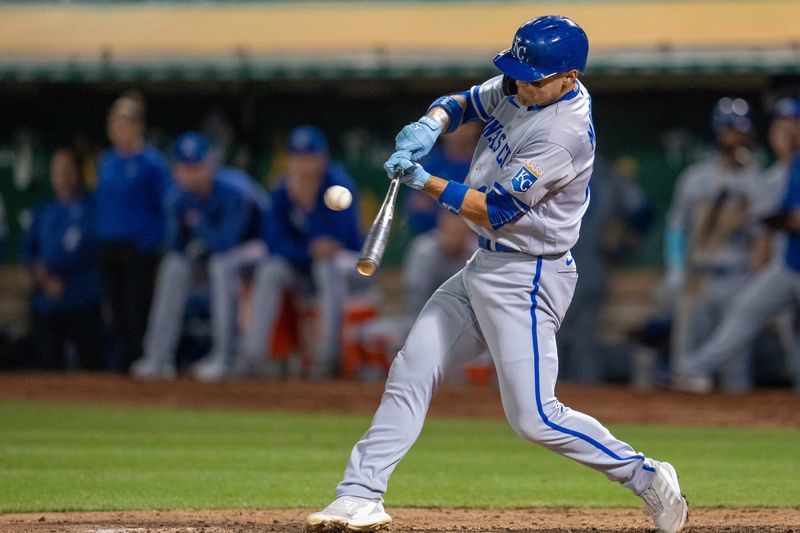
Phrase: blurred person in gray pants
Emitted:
{"points": [[214, 217]]}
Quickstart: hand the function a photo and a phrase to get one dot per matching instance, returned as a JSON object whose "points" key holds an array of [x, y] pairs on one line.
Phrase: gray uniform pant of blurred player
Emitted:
{"points": [[700, 322], [512, 304], [333, 280], [173, 285], [769, 293]]}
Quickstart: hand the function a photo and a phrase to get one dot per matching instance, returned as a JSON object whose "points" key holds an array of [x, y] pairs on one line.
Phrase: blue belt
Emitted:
{"points": [[494, 246]]}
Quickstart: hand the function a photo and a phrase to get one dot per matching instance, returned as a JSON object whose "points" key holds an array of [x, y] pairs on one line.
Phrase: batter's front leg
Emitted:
{"points": [[522, 341], [444, 337]]}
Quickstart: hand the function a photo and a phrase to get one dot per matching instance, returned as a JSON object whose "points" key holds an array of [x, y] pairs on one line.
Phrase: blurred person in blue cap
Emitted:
{"points": [[708, 239], [214, 218], [313, 251], [776, 288], [60, 253], [133, 178]]}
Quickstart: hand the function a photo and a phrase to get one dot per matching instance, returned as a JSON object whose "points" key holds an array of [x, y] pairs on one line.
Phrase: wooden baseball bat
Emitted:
{"points": [[378, 236]]}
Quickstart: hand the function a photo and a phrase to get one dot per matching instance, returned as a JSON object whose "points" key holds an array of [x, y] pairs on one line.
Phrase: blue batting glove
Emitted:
{"points": [[418, 137], [400, 160], [413, 174]]}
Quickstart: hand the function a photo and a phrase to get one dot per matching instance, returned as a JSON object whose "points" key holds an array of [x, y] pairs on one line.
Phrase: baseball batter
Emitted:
{"points": [[525, 194]]}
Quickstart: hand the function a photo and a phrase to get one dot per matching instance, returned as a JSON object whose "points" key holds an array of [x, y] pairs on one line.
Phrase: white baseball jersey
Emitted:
{"points": [[530, 153]]}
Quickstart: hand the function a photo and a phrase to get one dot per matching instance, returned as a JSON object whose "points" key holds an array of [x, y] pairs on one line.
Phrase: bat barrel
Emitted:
{"points": [[378, 236]]}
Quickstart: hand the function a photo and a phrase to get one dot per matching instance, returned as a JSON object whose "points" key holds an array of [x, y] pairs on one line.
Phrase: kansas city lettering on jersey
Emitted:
{"points": [[496, 139]]}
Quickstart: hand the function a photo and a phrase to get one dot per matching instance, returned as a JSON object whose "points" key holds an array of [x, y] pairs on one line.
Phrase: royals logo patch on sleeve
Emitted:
{"points": [[526, 176]]}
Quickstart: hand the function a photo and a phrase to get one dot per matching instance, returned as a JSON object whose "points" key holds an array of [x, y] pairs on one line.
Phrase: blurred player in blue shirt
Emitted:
{"points": [[133, 178], [450, 162], [60, 252], [312, 250], [211, 213]]}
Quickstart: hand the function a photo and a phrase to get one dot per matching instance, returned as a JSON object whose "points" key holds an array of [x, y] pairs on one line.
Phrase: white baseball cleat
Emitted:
{"points": [[684, 382], [151, 369], [213, 367], [349, 513], [664, 500]]}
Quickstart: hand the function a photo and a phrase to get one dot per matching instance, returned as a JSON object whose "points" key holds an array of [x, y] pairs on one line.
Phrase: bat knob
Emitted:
{"points": [[366, 267]]}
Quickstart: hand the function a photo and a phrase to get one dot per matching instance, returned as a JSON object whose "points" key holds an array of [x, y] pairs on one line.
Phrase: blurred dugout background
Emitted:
{"points": [[246, 72]]}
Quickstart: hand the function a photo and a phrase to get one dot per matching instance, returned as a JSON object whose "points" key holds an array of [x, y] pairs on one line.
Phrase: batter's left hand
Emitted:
{"points": [[418, 138], [413, 174]]}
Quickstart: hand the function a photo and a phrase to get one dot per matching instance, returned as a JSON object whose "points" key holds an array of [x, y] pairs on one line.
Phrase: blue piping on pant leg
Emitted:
{"points": [[547, 422]]}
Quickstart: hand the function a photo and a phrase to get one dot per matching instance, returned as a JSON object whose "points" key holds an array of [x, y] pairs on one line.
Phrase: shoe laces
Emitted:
{"points": [[660, 493], [653, 502]]}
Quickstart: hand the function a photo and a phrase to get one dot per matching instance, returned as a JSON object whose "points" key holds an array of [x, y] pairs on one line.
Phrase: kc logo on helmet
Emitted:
{"points": [[519, 50], [526, 176]]}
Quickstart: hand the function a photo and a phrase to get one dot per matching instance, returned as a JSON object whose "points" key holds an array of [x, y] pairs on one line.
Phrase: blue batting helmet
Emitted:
{"points": [[542, 47], [732, 113]]}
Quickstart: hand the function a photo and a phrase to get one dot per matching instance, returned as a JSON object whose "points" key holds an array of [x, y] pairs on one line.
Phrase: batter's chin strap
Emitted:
{"points": [[509, 85]]}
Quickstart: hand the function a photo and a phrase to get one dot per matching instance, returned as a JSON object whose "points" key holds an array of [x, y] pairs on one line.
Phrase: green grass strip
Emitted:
{"points": [[59, 457]]}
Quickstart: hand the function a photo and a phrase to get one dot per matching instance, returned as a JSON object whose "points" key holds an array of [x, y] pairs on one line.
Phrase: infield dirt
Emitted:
{"points": [[775, 408], [405, 521], [612, 405]]}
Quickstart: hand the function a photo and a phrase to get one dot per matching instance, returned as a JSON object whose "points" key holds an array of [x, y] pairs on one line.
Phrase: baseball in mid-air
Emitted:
{"points": [[338, 198]]}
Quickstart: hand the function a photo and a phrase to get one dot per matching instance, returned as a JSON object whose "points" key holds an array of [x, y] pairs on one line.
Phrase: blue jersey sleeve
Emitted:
{"points": [[223, 229], [175, 236], [483, 98], [281, 239], [347, 230], [161, 181], [342, 226]]}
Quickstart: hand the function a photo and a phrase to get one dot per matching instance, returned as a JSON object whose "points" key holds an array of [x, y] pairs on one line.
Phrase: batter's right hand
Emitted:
{"points": [[418, 137], [413, 174]]}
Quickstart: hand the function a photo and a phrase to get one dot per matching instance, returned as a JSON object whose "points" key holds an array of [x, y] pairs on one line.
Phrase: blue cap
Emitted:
{"points": [[786, 107], [732, 113], [307, 140], [544, 46], [191, 148]]}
